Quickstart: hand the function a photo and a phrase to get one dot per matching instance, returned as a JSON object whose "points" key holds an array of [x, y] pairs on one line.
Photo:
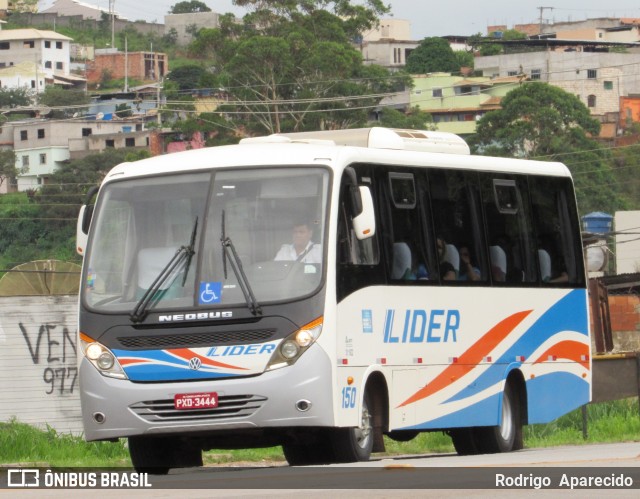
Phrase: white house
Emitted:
{"points": [[48, 50]]}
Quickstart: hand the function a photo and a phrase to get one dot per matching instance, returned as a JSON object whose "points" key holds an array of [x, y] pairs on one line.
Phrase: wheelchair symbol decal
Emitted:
{"points": [[210, 292]]}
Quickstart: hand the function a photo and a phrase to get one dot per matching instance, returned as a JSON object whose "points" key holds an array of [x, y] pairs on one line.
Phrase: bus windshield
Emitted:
{"points": [[204, 239]]}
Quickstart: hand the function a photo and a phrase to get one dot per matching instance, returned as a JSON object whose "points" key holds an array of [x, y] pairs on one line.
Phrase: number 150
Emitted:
{"points": [[349, 397]]}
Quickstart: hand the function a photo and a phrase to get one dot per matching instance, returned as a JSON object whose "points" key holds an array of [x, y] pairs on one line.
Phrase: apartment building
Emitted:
{"points": [[42, 145], [598, 79], [457, 102], [389, 44]]}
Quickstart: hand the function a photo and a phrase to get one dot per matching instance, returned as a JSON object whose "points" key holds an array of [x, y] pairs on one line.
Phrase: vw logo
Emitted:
{"points": [[195, 363]]}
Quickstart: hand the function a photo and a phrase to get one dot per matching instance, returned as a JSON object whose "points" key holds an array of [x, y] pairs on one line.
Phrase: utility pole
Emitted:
{"points": [[112, 11], [541, 9], [126, 65]]}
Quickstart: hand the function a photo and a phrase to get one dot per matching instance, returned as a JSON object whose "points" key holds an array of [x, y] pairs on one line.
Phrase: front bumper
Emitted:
{"points": [[265, 401]]}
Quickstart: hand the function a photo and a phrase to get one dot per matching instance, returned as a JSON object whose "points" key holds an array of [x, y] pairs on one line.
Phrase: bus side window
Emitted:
{"points": [[558, 246], [403, 218], [509, 228], [457, 223]]}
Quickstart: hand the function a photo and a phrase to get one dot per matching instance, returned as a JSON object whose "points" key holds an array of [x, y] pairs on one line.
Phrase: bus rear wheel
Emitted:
{"points": [[464, 441], [158, 455], [356, 444], [507, 436]]}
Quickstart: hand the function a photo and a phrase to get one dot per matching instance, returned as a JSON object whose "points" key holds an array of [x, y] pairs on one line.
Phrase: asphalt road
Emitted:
{"points": [[612, 469]]}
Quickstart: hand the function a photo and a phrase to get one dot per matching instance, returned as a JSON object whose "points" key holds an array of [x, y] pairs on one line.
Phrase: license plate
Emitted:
{"points": [[195, 400]]}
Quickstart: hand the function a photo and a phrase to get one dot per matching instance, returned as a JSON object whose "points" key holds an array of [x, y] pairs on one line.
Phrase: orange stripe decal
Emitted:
{"points": [[469, 359], [569, 350]]}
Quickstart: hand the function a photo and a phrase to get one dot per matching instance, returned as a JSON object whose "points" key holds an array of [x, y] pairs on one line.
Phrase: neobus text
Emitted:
{"points": [[422, 326]]}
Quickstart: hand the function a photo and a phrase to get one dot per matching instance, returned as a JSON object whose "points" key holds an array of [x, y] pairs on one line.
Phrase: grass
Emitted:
{"points": [[617, 421]]}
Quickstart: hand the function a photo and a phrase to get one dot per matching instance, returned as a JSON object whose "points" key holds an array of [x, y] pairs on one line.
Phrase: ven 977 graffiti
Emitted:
{"points": [[55, 348]]}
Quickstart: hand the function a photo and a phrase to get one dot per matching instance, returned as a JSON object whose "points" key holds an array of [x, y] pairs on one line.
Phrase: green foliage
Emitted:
{"points": [[190, 76], [433, 55], [64, 102], [298, 71], [485, 47], [15, 97], [540, 121], [626, 165], [616, 421], [464, 59], [414, 119], [123, 111], [8, 169], [188, 7], [42, 224], [21, 443]]}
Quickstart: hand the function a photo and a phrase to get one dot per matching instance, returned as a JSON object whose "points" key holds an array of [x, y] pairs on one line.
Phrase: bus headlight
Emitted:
{"points": [[101, 357], [294, 345], [289, 349]]}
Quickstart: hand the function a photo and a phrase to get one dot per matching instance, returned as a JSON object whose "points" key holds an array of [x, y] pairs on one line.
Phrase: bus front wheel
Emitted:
{"points": [[158, 455], [356, 444]]}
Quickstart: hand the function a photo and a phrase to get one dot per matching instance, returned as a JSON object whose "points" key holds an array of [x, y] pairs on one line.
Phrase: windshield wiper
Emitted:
{"points": [[229, 251], [184, 253]]}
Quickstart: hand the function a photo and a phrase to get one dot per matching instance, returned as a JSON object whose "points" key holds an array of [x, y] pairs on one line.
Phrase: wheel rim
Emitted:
{"points": [[363, 433], [507, 424]]}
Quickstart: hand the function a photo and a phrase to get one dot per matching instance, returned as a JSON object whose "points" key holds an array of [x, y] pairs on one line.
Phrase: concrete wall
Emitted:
{"points": [[627, 242], [183, 22], [566, 66], [38, 362]]}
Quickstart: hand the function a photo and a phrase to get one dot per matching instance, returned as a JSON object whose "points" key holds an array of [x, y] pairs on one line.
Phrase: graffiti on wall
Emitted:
{"points": [[38, 362], [54, 348]]}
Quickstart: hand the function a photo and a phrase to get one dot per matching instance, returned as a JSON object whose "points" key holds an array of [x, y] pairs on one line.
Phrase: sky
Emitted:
{"points": [[427, 17]]}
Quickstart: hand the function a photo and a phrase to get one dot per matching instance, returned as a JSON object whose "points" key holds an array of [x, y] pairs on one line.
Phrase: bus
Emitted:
{"points": [[437, 291]]}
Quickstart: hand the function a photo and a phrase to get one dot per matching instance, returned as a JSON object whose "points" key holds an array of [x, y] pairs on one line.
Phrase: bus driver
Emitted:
{"points": [[302, 249]]}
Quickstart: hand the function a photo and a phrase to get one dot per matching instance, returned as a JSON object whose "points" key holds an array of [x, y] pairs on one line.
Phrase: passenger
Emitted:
{"points": [[468, 271], [554, 269], [446, 269], [302, 249]]}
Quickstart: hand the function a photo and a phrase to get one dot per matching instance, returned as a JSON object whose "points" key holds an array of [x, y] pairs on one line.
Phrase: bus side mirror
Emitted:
{"points": [[364, 224], [81, 234], [84, 221]]}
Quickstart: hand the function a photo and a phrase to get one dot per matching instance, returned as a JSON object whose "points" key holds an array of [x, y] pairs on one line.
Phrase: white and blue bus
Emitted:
{"points": [[435, 291]]}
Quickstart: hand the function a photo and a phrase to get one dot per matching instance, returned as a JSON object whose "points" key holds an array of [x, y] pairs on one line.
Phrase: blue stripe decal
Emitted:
{"points": [[568, 314], [553, 395]]}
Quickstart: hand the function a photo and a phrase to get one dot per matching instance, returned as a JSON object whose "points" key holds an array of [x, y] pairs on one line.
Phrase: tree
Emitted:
{"points": [[189, 7], [414, 119], [291, 66], [540, 121], [15, 97], [8, 169], [188, 76], [433, 55], [483, 44], [64, 102]]}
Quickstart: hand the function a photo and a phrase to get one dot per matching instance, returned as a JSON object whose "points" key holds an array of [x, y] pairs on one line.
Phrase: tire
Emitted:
{"points": [[158, 455], [464, 441], [507, 436], [355, 444], [304, 454]]}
